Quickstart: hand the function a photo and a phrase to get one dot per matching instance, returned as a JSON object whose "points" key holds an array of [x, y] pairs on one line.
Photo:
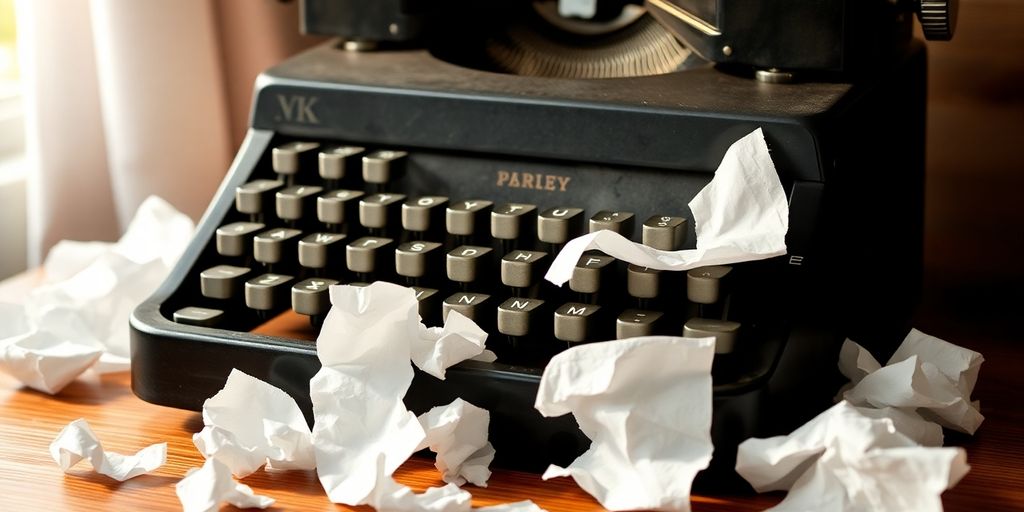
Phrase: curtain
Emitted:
{"points": [[128, 98]]}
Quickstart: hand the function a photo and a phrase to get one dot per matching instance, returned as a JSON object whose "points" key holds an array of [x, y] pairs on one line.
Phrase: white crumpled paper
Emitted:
{"points": [[77, 442], [843, 460], [646, 405], [741, 215], [362, 430], [926, 380], [250, 423], [457, 433], [438, 348], [78, 318], [204, 489]]}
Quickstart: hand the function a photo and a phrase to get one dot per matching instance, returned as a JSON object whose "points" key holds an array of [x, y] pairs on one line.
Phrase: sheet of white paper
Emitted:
{"points": [[93, 287], [204, 489], [518, 506], [362, 430], [457, 433], [250, 423], [645, 453], [49, 356], [389, 495], [438, 348], [926, 376], [843, 460], [741, 215], [77, 442]]}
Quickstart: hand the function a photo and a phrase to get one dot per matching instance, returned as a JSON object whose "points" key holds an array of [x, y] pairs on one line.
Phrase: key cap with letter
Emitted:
{"points": [[523, 269], [664, 232], [523, 317], [379, 211], [560, 224], [267, 291], [576, 322], [293, 202], [367, 254], [417, 259], [619, 222], [276, 245], [295, 157], [423, 214], [338, 206], [383, 166], [512, 221], [591, 270], [256, 196], [311, 296], [235, 239], [468, 263], [222, 281], [467, 217], [475, 306], [637, 322], [704, 285], [320, 249], [336, 162]]}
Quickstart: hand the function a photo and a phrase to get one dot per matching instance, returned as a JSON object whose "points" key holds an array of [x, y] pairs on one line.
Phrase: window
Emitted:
{"points": [[12, 148]]}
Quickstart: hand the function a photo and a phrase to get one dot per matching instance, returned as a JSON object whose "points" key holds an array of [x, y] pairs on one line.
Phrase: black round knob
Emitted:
{"points": [[938, 18]]}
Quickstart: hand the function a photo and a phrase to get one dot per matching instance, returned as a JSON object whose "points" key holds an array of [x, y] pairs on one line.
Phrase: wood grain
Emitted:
{"points": [[975, 133], [30, 480]]}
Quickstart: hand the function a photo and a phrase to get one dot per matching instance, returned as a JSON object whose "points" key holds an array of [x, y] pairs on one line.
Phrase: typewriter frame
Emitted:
{"points": [[818, 133]]}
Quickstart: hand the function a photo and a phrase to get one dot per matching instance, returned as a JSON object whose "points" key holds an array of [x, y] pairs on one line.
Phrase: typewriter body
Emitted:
{"points": [[400, 153]]}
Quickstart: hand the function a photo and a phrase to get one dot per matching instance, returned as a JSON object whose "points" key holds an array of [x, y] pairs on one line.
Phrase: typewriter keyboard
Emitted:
{"points": [[314, 214]]}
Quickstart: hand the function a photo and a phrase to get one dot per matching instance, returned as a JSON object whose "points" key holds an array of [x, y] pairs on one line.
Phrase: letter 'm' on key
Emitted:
{"points": [[573, 310], [502, 178]]}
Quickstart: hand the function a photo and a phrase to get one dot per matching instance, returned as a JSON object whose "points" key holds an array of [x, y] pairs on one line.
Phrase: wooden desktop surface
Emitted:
{"points": [[30, 480]]}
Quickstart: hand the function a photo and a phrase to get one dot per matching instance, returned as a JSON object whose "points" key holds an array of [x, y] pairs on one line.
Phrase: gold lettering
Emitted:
{"points": [[563, 181], [527, 180], [532, 180]]}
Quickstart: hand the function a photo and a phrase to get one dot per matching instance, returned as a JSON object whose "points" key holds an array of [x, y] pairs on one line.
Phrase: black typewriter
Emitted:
{"points": [[454, 146]]}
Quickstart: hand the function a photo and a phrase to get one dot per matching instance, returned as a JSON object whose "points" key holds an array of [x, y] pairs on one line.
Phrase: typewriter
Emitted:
{"points": [[454, 146]]}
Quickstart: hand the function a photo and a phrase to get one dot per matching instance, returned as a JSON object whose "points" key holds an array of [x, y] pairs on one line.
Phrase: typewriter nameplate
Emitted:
{"points": [[532, 180], [298, 108]]}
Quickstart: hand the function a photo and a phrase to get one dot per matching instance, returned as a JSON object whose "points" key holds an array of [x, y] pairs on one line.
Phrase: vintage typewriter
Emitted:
{"points": [[453, 146]]}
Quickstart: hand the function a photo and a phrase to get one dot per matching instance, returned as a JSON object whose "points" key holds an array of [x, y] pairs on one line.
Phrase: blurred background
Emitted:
{"points": [[104, 102]]}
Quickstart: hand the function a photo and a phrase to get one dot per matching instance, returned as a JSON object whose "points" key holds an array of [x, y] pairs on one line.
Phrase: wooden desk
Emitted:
{"points": [[30, 480]]}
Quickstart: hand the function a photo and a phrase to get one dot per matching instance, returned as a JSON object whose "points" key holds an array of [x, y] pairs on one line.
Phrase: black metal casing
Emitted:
{"points": [[850, 155]]}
